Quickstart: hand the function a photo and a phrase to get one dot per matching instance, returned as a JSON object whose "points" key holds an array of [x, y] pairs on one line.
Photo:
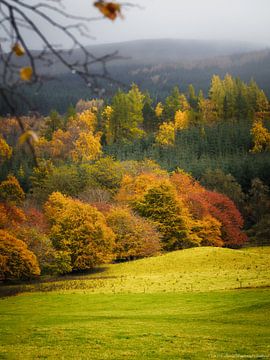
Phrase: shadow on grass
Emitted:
{"points": [[49, 283]]}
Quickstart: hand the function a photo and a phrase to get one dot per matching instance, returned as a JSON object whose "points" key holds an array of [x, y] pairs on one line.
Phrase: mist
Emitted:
{"points": [[241, 20]]}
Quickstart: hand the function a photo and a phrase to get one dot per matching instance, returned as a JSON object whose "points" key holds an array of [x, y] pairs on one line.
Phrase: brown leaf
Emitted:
{"points": [[109, 9]]}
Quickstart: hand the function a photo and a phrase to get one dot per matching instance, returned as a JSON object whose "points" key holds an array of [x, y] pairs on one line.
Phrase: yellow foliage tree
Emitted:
{"points": [[260, 136], [87, 147], [208, 231], [107, 115], [79, 233], [11, 191], [5, 150], [181, 120], [133, 188], [159, 109], [85, 121], [166, 134]]}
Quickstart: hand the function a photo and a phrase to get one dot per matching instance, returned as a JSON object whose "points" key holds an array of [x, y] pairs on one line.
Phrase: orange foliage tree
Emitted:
{"points": [[135, 236], [16, 261]]}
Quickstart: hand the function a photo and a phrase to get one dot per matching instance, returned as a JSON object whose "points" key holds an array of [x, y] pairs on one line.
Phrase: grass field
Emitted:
{"points": [[197, 269], [176, 306]]}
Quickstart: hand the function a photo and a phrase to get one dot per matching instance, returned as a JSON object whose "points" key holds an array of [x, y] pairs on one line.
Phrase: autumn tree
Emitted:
{"points": [[80, 141], [181, 120], [5, 150], [135, 236], [134, 187], [159, 110], [11, 191], [16, 261], [207, 110], [79, 234], [33, 231], [215, 211], [161, 205], [166, 134], [225, 211], [260, 136]]}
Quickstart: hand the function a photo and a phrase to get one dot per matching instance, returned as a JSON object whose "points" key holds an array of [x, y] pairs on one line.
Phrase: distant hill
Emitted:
{"points": [[157, 66], [173, 50], [161, 51]]}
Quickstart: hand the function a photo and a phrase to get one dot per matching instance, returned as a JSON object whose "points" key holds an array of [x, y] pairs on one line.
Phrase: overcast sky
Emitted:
{"points": [[246, 20]]}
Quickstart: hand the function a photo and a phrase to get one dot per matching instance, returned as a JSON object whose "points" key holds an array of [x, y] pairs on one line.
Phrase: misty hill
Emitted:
{"points": [[173, 50], [158, 65], [160, 51]]}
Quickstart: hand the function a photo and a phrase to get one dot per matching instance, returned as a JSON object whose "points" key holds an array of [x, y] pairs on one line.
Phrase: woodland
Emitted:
{"points": [[114, 180]]}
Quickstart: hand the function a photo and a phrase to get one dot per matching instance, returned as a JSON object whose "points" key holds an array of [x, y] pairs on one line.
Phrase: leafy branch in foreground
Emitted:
{"points": [[20, 23]]}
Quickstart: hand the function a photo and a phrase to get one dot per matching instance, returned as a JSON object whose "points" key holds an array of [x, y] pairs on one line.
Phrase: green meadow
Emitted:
{"points": [[202, 303]]}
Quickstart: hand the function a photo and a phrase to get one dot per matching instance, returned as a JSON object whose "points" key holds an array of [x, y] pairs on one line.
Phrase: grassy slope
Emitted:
{"points": [[197, 269], [84, 319]]}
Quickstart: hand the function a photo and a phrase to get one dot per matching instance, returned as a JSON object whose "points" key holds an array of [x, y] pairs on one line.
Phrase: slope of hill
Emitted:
{"points": [[197, 269]]}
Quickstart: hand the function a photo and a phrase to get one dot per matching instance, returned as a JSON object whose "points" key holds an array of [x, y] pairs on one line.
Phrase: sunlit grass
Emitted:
{"points": [[197, 269]]}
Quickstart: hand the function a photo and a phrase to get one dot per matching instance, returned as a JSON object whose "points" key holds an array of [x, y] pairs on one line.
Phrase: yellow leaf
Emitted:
{"points": [[18, 50], [26, 73], [29, 134], [109, 9]]}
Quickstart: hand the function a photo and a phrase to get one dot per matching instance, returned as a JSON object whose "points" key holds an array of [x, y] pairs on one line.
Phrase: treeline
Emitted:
{"points": [[71, 206]]}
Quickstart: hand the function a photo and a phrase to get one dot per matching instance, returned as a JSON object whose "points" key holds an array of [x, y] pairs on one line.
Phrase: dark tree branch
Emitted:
{"points": [[18, 16]]}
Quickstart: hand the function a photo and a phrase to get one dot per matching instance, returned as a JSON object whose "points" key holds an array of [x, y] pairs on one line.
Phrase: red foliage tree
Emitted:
{"points": [[202, 203]]}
